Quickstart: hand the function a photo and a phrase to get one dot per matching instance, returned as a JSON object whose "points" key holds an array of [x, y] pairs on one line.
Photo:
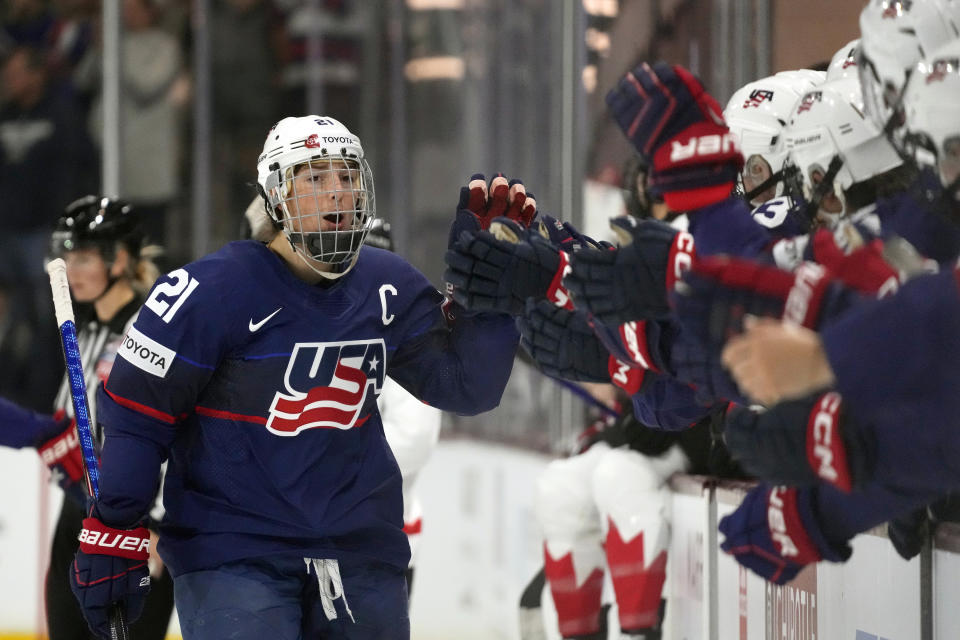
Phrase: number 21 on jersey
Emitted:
{"points": [[168, 297]]}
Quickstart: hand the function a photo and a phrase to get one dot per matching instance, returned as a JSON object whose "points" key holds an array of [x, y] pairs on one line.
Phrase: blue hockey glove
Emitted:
{"points": [[802, 442], [716, 294], [481, 203], [110, 567], [630, 283], [498, 270], [909, 532], [678, 129], [774, 533], [562, 343], [641, 344]]}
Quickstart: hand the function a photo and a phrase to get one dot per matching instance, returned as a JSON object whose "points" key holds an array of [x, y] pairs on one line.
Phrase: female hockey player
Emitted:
{"points": [[109, 272], [255, 371]]}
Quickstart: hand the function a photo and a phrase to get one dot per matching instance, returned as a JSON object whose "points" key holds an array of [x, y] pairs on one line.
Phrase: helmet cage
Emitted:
{"points": [[895, 36], [325, 205], [756, 115]]}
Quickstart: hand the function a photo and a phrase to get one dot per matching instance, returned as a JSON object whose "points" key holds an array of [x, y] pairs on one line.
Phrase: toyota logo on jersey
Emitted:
{"points": [[326, 385]]}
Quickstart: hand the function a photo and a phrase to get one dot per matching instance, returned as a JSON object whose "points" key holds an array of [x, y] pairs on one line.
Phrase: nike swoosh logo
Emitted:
{"points": [[255, 326]]}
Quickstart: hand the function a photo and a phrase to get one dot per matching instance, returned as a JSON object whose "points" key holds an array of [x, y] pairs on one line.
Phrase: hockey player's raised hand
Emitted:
{"points": [[498, 269], [774, 361], [480, 203], [678, 128], [719, 294], [562, 343], [110, 567], [631, 282], [801, 443], [774, 533]]}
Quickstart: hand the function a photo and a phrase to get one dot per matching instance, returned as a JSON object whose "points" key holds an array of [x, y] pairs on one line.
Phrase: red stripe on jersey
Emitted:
{"points": [[140, 408], [227, 415]]}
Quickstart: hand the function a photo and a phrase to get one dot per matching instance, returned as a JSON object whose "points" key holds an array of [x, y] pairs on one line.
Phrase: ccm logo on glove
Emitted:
{"points": [[97, 538], [680, 258], [825, 450]]}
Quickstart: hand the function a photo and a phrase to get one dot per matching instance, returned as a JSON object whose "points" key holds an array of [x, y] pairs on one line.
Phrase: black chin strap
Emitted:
{"points": [[772, 181], [821, 190]]}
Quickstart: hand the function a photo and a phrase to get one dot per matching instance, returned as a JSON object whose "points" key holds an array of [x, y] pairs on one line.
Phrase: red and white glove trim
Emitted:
{"points": [[64, 451], [99, 539], [556, 292], [802, 305], [633, 335], [680, 259], [825, 449], [628, 378], [786, 528]]}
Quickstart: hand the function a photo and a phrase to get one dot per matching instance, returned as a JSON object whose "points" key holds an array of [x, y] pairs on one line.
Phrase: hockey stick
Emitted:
{"points": [[584, 395], [63, 308]]}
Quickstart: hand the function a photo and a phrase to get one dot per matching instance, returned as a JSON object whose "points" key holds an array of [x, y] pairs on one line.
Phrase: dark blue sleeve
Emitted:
{"points": [[463, 368], [906, 345], [24, 428], [931, 233], [135, 444], [164, 362], [666, 403], [841, 516], [727, 227]]}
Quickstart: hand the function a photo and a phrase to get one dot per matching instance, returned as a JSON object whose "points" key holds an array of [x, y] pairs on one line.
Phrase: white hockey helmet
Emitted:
{"points": [[318, 189], [843, 64], [756, 115], [894, 36], [931, 103], [804, 78], [833, 146]]}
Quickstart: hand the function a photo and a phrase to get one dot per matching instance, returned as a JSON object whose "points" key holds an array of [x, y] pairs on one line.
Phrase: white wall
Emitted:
{"points": [[481, 545]]}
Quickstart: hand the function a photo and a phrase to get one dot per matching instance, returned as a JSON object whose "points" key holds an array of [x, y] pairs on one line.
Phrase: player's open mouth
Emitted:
{"points": [[334, 221]]}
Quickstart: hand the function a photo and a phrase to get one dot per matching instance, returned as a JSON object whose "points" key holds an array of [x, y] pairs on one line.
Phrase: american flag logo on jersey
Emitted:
{"points": [[757, 97], [326, 385]]}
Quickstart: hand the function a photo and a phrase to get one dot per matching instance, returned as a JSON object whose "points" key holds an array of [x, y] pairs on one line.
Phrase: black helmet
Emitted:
{"points": [[97, 222]]}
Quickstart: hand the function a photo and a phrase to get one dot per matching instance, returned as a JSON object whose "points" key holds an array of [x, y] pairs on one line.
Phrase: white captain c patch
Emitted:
{"points": [[145, 353]]}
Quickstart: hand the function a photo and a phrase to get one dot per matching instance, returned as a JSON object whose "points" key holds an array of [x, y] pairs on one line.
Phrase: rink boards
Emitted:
{"points": [[481, 545]]}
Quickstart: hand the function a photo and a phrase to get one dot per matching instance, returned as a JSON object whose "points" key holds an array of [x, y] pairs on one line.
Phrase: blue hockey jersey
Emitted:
{"points": [[261, 389]]}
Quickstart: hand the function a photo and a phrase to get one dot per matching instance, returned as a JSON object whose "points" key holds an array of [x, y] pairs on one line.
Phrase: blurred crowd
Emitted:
{"points": [[52, 129]]}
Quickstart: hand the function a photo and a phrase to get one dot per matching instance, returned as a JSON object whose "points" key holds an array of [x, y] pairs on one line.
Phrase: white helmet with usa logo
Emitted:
{"points": [[894, 36], [931, 104], [756, 115], [843, 64], [318, 189], [833, 146]]}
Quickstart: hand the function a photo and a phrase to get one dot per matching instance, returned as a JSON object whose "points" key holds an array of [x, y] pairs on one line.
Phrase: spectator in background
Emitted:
{"points": [[27, 375], [26, 23], [246, 39], [152, 95], [44, 164]]}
